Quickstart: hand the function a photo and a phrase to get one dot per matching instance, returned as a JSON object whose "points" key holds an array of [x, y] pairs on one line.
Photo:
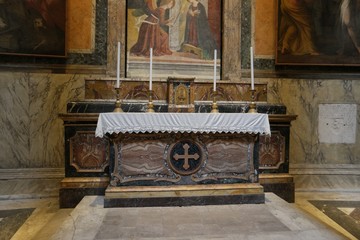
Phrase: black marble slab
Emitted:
{"points": [[70, 197], [201, 107], [184, 201], [284, 190]]}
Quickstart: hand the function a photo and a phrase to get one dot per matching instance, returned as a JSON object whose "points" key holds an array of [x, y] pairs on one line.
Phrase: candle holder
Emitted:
{"points": [[214, 107], [150, 104], [118, 108], [252, 105]]}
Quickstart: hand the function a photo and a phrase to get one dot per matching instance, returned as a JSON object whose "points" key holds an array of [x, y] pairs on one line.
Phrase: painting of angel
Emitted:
{"points": [[183, 35]]}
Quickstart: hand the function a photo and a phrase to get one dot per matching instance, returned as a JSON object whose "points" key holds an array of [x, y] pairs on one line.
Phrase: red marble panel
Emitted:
{"points": [[272, 151], [89, 153]]}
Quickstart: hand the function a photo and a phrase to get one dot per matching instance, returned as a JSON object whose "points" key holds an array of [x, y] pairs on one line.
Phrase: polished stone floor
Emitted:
{"points": [[276, 219]]}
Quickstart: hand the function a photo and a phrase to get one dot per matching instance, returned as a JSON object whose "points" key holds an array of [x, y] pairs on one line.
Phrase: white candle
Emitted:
{"points": [[150, 83], [215, 57], [118, 66], [252, 68]]}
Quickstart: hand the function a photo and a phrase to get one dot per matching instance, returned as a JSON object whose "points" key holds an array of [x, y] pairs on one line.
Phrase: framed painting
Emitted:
{"points": [[33, 27], [318, 32], [184, 35]]}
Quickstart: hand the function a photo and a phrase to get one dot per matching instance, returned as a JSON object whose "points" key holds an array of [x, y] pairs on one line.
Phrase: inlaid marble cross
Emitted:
{"points": [[186, 156]]}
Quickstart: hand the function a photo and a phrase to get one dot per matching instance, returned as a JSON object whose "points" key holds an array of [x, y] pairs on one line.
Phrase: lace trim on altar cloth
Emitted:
{"points": [[254, 123]]}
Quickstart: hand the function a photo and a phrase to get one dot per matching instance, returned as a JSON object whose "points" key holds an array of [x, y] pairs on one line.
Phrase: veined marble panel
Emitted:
{"points": [[303, 97], [32, 133], [14, 120]]}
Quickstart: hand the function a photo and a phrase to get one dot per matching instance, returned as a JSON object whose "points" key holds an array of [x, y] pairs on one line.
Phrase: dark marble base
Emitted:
{"points": [[71, 197], [284, 190], [108, 106], [184, 201]]}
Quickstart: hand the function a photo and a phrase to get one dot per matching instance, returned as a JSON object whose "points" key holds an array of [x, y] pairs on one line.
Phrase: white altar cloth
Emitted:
{"points": [[256, 123]]}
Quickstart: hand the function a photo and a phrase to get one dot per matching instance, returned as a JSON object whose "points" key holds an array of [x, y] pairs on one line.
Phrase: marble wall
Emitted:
{"points": [[303, 97], [31, 131], [32, 134]]}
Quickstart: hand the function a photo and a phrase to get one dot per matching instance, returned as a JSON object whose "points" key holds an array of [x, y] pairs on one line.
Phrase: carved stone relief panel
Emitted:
{"points": [[88, 153], [271, 151]]}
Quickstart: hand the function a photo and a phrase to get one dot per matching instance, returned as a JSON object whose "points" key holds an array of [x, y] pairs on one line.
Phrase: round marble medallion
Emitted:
{"points": [[185, 157]]}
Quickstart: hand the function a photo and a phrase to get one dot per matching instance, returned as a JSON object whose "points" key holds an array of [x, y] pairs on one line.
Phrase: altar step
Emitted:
{"points": [[282, 184], [183, 195], [72, 190]]}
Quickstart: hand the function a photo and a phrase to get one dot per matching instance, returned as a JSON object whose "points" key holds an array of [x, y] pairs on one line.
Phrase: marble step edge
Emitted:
{"points": [[50, 227], [324, 169], [275, 178], [183, 190], [85, 182], [32, 173]]}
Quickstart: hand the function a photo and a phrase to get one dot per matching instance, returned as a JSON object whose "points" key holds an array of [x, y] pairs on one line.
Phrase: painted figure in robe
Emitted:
{"points": [[151, 33], [197, 30], [296, 32]]}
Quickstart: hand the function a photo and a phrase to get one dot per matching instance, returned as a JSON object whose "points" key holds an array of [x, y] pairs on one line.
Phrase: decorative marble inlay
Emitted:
{"points": [[229, 158], [170, 158], [344, 213], [185, 157], [12, 220], [271, 151], [140, 157], [88, 153]]}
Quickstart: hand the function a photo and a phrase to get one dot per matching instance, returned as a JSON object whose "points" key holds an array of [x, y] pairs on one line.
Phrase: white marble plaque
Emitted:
{"points": [[337, 123]]}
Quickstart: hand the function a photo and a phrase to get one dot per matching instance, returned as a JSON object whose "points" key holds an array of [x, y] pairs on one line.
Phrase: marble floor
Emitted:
{"points": [[276, 219]]}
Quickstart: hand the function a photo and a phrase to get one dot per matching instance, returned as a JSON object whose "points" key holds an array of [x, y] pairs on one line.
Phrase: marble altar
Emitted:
{"points": [[204, 157], [80, 121]]}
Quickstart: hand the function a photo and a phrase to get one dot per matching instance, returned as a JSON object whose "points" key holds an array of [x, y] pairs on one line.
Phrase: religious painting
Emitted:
{"points": [[318, 32], [33, 27], [184, 35]]}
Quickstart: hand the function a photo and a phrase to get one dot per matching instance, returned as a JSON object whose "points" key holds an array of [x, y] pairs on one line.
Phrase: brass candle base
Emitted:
{"points": [[214, 107], [252, 105], [118, 108], [150, 108]]}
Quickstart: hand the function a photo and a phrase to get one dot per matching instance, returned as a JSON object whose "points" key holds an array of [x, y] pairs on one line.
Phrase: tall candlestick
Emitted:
{"points": [[150, 83], [252, 67], [215, 57], [118, 66]]}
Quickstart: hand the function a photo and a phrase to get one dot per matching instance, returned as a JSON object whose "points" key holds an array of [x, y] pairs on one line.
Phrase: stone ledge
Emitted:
{"points": [[183, 190], [324, 169], [32, 173]]}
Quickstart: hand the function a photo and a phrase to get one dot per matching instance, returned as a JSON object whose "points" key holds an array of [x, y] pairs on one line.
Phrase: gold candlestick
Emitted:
{"points": [[150, 104], [252, 105], [118, 102], [214, 107]]}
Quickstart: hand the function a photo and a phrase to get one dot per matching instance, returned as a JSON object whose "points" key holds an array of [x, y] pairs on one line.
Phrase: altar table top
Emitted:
{"points": [[253, 123]]}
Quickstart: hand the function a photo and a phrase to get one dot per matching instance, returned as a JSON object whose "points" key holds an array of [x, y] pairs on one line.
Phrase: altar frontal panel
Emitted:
{"points": [[178, 159]]}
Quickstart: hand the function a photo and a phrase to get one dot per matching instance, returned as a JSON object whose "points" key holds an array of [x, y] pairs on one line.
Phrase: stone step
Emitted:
{"points": [[65, 223], [51, 227], [183, 195]]}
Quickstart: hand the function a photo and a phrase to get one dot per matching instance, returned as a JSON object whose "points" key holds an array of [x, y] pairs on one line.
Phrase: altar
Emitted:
{"points": [[89, 160], [183, 158]]}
